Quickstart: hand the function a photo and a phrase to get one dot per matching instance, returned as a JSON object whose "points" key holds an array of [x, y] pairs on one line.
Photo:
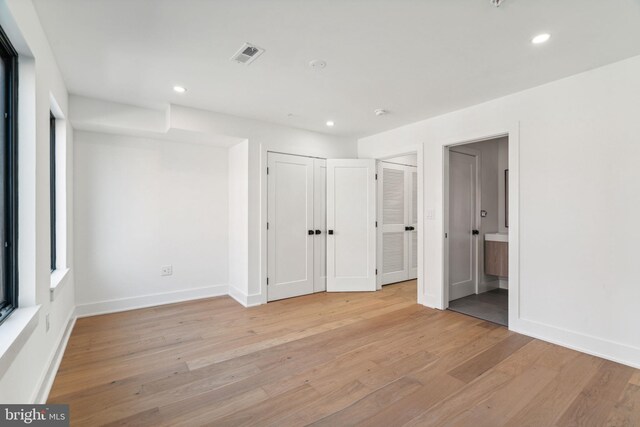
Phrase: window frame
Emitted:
{"points": [[52, 190], [10, 147]]}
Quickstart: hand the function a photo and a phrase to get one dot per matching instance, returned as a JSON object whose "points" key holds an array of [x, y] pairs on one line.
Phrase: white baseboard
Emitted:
{"points": [[244, 299], [124, 304], [595, 346], [487, 286], [50, 375], [504, 283]]}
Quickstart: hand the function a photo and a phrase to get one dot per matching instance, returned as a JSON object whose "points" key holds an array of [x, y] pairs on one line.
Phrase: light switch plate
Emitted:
{"points": [[431, 214]]}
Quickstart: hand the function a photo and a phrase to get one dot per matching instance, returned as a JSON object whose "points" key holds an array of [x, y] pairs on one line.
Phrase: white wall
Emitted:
{"points": [[194, 125], [239, 220], [578, 191], [262, 137], [27, 378], [142, 204]]}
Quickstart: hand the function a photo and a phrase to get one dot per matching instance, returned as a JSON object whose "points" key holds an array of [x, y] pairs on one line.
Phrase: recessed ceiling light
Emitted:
{"points": [[330, 123], [179, 89], [541, 38]]}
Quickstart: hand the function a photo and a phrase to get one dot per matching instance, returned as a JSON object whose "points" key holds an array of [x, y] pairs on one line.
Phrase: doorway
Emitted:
{"points": [[397, 220], [477, 229]]}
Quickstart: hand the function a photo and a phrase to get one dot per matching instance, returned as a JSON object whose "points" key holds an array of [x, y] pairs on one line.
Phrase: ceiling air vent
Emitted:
{"points": [[247, 54]]}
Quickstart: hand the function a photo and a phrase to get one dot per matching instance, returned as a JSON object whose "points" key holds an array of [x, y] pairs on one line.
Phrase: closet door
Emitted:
{"points": [[320, 225], [392, 222], [351, 234], [412, 210], [291, 232]]}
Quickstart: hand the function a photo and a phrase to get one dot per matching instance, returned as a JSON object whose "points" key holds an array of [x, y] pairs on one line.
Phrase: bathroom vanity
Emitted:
{"points": [[496, 254]]}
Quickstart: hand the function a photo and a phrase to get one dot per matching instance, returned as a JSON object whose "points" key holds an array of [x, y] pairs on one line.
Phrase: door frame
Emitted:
{"points": [[460, 148], [419, 151], [512, 133]]}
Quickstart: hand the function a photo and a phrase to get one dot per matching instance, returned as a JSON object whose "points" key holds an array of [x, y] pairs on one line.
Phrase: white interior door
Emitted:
{"points": [[397, 222], [412, 210], [462, 223], [392, 222], [290, 221], [320, 225], [351, 215]]}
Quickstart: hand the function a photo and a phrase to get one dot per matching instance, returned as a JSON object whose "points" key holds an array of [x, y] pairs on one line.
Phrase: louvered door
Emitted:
{"points": [[397, 223]]}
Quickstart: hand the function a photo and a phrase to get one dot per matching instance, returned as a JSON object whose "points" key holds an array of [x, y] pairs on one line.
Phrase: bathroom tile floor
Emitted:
{"points": [[491, 306]]}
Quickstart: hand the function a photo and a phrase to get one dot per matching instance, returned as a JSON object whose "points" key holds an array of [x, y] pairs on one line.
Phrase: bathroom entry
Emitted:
{"points": [[476, 232], [397, 219]]}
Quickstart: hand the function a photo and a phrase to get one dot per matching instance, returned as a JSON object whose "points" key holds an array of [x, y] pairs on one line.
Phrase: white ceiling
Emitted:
{"points": [[415, 58]]}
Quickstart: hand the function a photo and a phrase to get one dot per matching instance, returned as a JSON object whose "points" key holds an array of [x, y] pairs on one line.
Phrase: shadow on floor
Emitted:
{"points": [[492, 306]]}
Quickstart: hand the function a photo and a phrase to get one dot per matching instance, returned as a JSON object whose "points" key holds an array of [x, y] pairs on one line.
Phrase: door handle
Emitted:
{"points": [[330, 232], [318, 231], [310, 232], [475, 232], [409, 228]]}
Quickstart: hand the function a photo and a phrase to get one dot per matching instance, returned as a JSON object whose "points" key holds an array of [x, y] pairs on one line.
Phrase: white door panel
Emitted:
{"points": [[351, 253], [320, 224], [393, 218], [290, 217], [462, 222], [398, 218]]}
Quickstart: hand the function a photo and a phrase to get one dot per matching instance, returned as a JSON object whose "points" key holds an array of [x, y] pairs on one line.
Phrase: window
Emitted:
{"points": [[8, 177], [52, 187]]}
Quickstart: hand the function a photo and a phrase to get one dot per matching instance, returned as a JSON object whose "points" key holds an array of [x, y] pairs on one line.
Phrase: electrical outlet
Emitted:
{"points": [[166, 270], [47, 324]]}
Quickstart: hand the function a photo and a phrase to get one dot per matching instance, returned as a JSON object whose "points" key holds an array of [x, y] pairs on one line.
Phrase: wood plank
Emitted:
{"points": [[594, 403], [548, 405], [626, 412], [489, 358]]}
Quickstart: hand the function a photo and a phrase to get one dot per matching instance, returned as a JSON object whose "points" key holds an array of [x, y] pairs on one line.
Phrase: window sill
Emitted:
{"points": [[58, 280], [16, 330]]}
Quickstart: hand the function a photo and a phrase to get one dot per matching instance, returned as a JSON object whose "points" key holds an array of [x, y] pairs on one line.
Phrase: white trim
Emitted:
{"points": [[440, 299], [16, 330], [46, 382], [58, 280], [488, 286], [421, 227], [244, 299], [610, 350], [143, 301]]}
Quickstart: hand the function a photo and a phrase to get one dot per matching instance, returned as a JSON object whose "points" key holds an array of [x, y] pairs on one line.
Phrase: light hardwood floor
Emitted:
{"points": [[374, 359]]}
